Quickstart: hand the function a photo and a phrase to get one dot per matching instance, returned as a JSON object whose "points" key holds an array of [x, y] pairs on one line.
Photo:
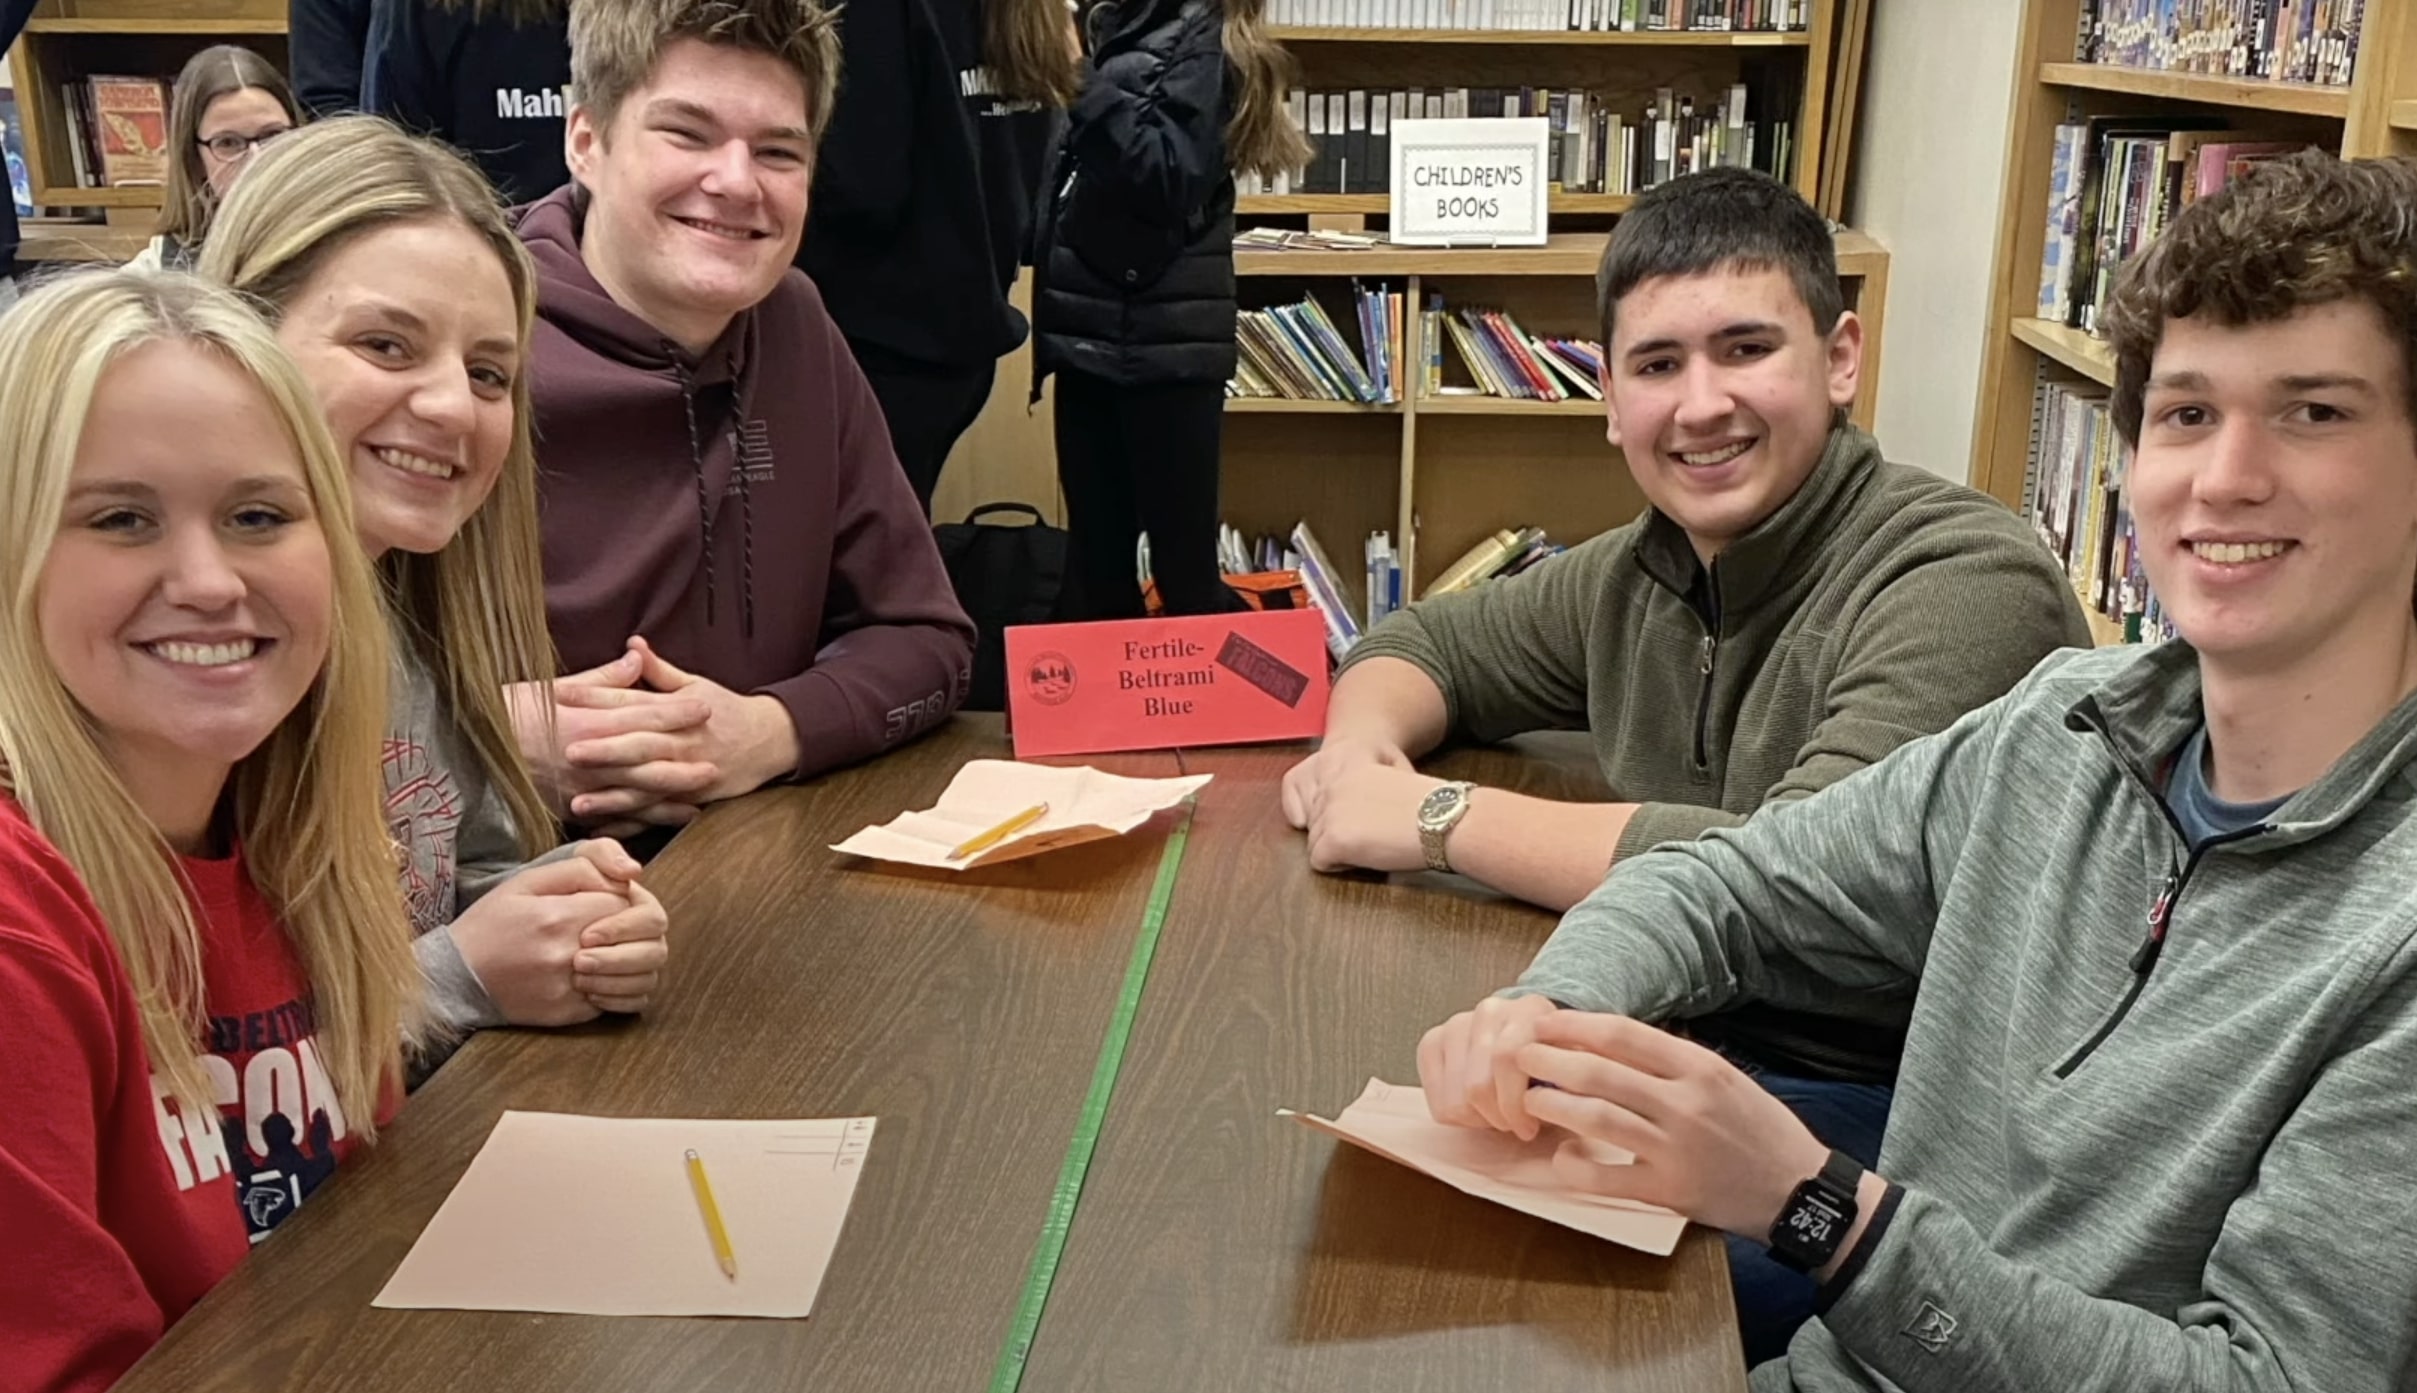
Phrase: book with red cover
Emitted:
{"points": [[130, 124]]}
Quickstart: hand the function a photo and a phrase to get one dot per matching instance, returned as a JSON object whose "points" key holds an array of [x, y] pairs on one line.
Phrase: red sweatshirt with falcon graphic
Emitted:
{"points": [[118, 1212]]}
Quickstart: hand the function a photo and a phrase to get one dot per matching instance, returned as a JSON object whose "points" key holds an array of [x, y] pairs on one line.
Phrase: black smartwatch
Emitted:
{"points": [[1816, 1217]]}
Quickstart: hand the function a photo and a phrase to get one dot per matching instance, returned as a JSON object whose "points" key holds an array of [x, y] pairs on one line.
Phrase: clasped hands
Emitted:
{"points": [[568, 940], [1709, 1142], [637, 742], [1358, 798]]}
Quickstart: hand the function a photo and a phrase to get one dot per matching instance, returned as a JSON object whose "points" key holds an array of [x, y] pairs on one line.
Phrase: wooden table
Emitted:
{"points": [[1216, 1246], [1220, 1247]]}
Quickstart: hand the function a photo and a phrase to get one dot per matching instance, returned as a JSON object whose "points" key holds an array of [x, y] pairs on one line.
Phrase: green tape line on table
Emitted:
{"points": [[1009, 1373]]}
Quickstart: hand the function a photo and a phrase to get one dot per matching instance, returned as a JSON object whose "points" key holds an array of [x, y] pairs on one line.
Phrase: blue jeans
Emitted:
{"points": [[1772, 1298]]}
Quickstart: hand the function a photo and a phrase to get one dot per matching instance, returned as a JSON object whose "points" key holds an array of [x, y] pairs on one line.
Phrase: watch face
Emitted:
{"points": [[1815, 1222], [1438, 805]]}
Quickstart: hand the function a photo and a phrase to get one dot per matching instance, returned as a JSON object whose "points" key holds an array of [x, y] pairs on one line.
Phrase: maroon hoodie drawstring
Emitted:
{"points": [[696, 462], [738, 467], [738, 463]]}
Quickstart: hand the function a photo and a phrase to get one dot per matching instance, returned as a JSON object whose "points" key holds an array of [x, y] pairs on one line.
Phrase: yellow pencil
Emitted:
{"points": [[713, 1217], [985, 841]]}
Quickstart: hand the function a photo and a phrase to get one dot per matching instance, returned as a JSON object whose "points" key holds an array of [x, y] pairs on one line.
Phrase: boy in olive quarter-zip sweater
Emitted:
{"points": [[2153, 909], [1791, 608]]}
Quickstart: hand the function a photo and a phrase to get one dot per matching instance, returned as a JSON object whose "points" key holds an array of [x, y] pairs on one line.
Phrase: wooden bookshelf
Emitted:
{"points": [[1693, 38], [1442, 472], [1267, 203], [2199, 89], [1286, 406], [212, 27], [1624, 69], [2068, 348], [44, 240], [2104, 632], [1587, 407], [2376, 114], [67, 40], [1563, 254]]}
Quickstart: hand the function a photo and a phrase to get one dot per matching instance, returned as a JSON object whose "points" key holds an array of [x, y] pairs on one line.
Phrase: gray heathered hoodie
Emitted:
{"points": [[2185, 1168]]}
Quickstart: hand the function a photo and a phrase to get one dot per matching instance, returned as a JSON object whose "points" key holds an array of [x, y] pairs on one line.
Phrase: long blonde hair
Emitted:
{"points": [[187, 203], [1261, 137], [306, 803], [474, 612]]}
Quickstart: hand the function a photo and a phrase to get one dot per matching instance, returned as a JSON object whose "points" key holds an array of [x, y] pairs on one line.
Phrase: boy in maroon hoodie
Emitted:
{"points": [[720, 498]]}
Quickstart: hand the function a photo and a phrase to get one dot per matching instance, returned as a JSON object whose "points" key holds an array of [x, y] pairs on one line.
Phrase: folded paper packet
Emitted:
{"points": [[1393, 1122], [1085, 805]]}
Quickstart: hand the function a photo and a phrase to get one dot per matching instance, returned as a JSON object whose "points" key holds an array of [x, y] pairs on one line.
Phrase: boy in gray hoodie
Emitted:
{"points": [[2152, 909]]}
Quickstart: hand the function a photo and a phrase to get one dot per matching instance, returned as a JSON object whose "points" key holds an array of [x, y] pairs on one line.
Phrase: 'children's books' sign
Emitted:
{"points": [[1154, 684], [1477, 182]]}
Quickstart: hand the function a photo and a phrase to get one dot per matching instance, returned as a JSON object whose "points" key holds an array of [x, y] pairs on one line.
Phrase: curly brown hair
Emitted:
{"points": [[2307, 229], [615, 44]]}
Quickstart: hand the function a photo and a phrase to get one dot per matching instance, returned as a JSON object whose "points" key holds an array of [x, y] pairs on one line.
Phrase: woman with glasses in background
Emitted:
{"points": [[229, 102]]}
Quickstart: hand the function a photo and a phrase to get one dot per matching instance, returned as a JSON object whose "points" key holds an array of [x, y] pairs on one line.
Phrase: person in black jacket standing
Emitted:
{"points": [[1134, 307], [329, 40], [906, 236], [488, 77]]}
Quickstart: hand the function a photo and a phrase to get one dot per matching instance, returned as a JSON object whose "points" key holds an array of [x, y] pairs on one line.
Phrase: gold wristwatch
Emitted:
{"points": [[1438, 814]]}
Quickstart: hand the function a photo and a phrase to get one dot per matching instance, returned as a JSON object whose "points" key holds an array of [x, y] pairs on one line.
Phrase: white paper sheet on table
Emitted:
{"points": [[1393, 1122], [1085, 805], [594, 1216]]}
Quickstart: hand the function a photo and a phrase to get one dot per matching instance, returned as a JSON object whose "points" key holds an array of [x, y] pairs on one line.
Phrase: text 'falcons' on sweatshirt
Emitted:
{"points": [[741, 509]]}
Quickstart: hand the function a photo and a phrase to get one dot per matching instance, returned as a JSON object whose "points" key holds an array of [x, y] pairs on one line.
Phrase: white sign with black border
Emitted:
{"points": [[1481, 182]]}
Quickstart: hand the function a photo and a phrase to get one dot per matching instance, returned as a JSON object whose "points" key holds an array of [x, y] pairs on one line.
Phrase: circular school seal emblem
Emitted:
{"points": [[1051, 679]]}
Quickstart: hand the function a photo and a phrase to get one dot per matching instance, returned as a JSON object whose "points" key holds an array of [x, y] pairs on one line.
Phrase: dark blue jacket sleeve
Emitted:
{"points": [[328, 39]]}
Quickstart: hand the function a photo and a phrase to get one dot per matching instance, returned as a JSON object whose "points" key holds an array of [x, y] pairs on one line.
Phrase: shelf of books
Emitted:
{"points": [[1636, 90], [2124, 112], [1432, 402], [92, 80]]}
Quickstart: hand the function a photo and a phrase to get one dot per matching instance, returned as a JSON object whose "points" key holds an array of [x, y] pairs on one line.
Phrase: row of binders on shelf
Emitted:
{"points": [[1582, 16], [1594, 147]]}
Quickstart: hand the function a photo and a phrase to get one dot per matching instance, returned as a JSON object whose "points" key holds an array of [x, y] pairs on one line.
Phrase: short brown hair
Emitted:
{"points": [[2304, 230], [615, 45], [1723, 219]]}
